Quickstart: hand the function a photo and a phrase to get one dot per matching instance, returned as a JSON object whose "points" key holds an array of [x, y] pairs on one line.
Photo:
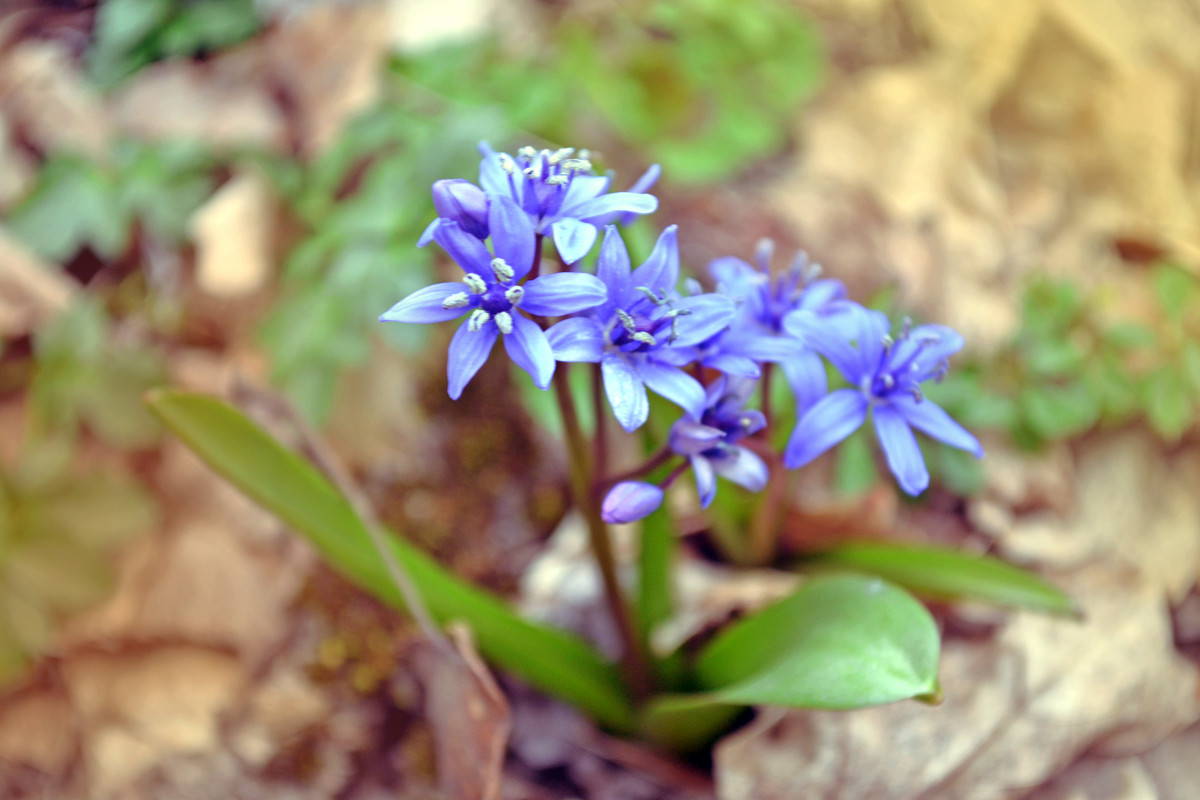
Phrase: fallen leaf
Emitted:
{"points": [[234, 233]]}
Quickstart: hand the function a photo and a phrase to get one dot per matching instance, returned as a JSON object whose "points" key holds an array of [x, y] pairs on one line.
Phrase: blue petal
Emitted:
{"points": [[427, 234], [928, 417], [828, 340], [467, 251], [576, 339], [583, 189], [468, 350], [870, 328], [562, 293], [492, 176], [661, 270], [805, 374], [818, 294], [708, 314], [629, 501], [900, 447], [832, 419], [648, 179], [512, 234], [734, 276], [762, 346], [690, 438], [675, 385], [941, 343], [625, 390], [744, 468], [613, 266], [731, 364], [425, 305], [615, 203], [529, 350], [706, 480], [573, 239]]}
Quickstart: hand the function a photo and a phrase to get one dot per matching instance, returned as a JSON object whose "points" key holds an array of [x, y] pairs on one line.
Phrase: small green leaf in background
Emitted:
{"points": [[1130, 335], [1191, 365], [1055, 412], [73, 204], [552, 660], [855, 470], [839, 642], [942, 574], [1168, 403], [1176, 289]]}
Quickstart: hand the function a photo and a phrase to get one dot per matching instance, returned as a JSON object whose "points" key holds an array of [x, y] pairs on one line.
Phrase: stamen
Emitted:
{"points": [[627, 321], [763, 251], [478, 318], [507, 164], [514, 294], [888, 343], [644, 338], [576, 165], [917, 394], [658, 301], [674, 314], [527, 152], [534, 170], [889, 382], [504, 322], [559, 154], [585, 154], [503, 271], [556, 180], [475, 283], [905, 327], [456, 300]]}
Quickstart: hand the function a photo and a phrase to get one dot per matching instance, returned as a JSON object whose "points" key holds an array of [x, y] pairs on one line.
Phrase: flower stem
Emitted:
{"points": [[649, 465], [633, 659], [600, 469]]}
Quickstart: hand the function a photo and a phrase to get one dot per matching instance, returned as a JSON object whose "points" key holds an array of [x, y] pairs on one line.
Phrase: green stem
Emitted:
{"points": [[633, 659], [600, 470]]}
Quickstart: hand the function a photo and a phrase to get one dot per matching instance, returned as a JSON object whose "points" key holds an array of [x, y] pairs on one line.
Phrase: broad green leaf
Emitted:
{"points": [[959, 471], [280, 481], [1176, 290], [1054, 357], [839, 642], [942, 574]]}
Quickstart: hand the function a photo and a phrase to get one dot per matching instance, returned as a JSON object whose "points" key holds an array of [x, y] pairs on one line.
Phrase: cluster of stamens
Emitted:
{"points": [[491, 301], [642, 330], [547, 175], [907, 375]]}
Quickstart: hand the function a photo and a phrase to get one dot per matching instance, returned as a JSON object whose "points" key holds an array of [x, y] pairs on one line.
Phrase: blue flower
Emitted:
{"points": [[758, 332], [886, 374], [709, 441], [562, 196], [491, 295], [634, 334]]}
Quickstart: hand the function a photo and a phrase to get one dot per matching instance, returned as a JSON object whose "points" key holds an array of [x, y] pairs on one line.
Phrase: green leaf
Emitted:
{"points": [[1054, 357], [855, 470], [74, 204], [1168, 404], [552, 660], [839, 642], [1059, 411], [942, 574], [1130, 335], [1191, 364], [1176, 290]]}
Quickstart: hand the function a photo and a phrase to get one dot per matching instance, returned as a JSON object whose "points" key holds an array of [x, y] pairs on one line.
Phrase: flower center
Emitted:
{"points": [[546, 177]]}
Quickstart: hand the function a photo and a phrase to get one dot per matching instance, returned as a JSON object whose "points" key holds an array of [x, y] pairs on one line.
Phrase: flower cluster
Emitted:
{"points": [[704, 351]]}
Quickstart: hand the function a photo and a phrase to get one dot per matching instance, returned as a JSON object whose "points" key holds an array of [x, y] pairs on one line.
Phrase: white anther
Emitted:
{"points": [[504, 322], [503, 271], [887, 342], [576, 165], [475, 283], [644, 338], [626, 321], [514, 294], [534, 171], [507, 164], [888, 381], [559, 154], [556, 180], [478, 318], [584, 154], [456, 300], [763, 252], [527, 152]]}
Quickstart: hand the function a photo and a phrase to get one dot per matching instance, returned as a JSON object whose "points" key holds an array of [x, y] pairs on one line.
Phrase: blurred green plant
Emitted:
{"points": [[84, 378], [705, 88], [362, 204], [60, 524], [129, 34], [1069, 368], [77, 203]]}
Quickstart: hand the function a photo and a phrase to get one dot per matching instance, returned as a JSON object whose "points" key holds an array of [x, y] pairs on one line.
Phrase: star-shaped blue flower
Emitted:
{"points": [[558, 189], [634, 334], [492, 296], [709, 441], [886, 374]]}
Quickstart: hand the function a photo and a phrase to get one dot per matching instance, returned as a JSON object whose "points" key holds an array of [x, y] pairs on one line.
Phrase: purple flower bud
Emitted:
{"points": [[463, 202], [629, 501]]}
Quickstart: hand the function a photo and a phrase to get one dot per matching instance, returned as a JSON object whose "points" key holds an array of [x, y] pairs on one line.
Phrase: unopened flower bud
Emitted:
{"points": [[465, 203], [629, 501]]}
